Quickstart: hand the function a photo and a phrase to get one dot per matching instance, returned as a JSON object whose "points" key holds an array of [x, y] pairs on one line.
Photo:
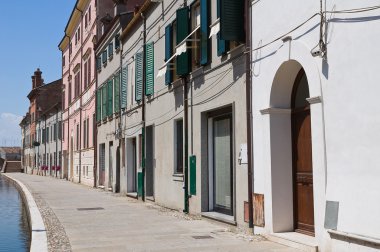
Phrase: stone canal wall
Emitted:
{"points": [[36, 223]]}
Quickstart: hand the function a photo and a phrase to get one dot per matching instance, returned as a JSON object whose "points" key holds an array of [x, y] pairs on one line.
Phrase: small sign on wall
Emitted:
{"points": [[243, 154]]}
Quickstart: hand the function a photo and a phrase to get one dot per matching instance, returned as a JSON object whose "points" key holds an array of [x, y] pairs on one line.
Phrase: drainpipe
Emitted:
{"points": [[95, 129], [248, 92], [186, 140], [68, 115], [80, 95], [56, 142], [45, 159], [121, 143], [143, 110]]}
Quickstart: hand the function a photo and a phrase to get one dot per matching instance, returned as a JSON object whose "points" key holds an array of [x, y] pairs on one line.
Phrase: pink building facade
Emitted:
{"points": [[78, 76]]}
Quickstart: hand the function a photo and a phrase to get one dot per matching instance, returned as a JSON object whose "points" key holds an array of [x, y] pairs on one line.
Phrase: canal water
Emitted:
{"points": [[14, 229]]}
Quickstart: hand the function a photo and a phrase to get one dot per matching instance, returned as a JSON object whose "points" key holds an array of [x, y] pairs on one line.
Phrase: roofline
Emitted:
{"points": [[75, 9], [135, 19]]}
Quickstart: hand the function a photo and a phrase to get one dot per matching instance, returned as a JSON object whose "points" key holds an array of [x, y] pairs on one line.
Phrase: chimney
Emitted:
{"points": [[136, 10], [37, 79], [119, 7]]}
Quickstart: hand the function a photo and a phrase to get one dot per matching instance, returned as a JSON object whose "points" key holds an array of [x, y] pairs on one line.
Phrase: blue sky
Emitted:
{"points": [[30, 34]]}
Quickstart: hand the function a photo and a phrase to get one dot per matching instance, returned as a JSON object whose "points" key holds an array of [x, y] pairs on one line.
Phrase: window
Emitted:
{"points": [[117, 92], [47, 134], [124, 87], [117, 41], [85, 20], [196, 43], [104, 57], [178, 148], [98, 104], [98, 63], [182, 31], [89, 14], [70, 91], [63, 61], [59, 130], [149, 70], [44, 136], [55, 132], [87, 73], [70, 48], [231, 14], [104, 101], [78, 140], [110, 50], [88, 133], [138, 76], [77, 85], [110, 98], [84, 133], [63, 131], [64, 99]]}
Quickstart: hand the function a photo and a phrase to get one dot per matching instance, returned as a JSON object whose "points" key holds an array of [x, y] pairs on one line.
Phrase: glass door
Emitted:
{"points": [[222, 155]]}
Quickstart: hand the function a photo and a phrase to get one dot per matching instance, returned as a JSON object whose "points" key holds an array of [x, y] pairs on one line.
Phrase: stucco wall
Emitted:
{"points": [[344, 137]]}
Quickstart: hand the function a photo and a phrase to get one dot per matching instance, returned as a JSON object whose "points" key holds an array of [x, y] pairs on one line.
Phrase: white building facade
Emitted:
{"points": [[211, 74], [315, 128]]}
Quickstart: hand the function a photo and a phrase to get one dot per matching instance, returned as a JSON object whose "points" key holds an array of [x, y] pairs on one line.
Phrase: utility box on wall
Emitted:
{"points": [[140, 184], [193, 175]]}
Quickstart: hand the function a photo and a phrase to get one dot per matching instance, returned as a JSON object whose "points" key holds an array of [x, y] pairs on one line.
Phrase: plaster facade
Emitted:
{"points": [[342, 87]]}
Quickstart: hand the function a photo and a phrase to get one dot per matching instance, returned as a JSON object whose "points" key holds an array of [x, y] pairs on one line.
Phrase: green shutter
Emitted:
{"points": [[110, 98], [183, 27], [110, 49], [104, 101], [124, 87], [193, 175], [98, 105], [205, 23], [117, 92], [223, 45], [138, 76], [168, 52], [232, 20], [149, 75]]}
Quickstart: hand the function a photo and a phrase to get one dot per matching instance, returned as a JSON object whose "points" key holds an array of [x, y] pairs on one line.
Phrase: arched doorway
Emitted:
{"points": [[292, 205], [302, 156]]}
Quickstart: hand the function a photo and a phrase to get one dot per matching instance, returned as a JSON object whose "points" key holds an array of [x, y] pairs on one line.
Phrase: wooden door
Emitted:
{"points": [[302, 159]]}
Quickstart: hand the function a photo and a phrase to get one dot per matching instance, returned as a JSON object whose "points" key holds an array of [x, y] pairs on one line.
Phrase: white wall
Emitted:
{"points": [[344, 126]]}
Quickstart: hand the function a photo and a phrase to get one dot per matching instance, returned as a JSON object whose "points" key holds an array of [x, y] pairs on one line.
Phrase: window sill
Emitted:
{"points": [[117, 50], [110, 57], [178, 177]]}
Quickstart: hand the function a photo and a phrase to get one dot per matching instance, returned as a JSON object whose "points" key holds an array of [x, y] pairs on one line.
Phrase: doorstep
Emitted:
{"points": [[295, 240], [132, 195], [228, 219]]}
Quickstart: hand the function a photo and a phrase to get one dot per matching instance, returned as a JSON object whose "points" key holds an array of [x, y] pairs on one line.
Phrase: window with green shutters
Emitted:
{"points": [[149, 73], [168, 52], [104, 101], [183, 27], [116, 83], [223, 45], [104, 56], [138, 76], [117, 41], [110, 98], [98, 63], [110, 50], [205, 24], [98, 105], [124, 87], [232, 20]]}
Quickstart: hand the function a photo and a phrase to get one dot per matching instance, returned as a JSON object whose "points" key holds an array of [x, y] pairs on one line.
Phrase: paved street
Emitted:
{"points": [[125, 224]]}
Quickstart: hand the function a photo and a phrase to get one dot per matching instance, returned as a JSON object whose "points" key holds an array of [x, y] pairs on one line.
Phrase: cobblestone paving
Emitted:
{"points": [[56, 235]]}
